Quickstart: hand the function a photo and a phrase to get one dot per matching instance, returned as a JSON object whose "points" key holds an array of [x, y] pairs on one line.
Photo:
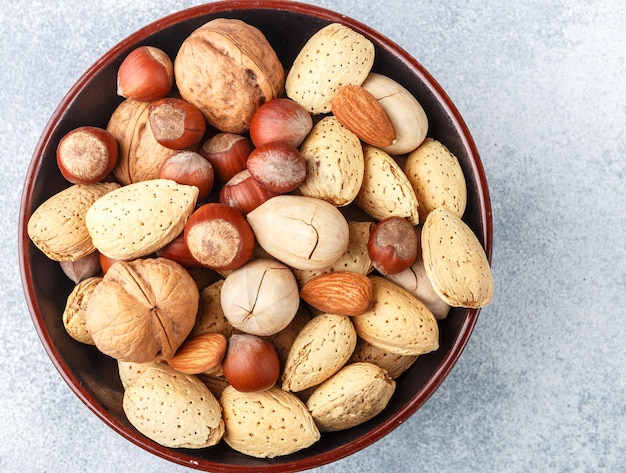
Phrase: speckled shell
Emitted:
{"points": [[437, 178], [173, 409], [393, 363], [130, 371], [228, 69], [211, 318], [57, 227], [398, 322], [455, 261], [356, 394], [386, 191], [334, 161], [333, 57], [266, 424], [321, 348], [140, 218]]}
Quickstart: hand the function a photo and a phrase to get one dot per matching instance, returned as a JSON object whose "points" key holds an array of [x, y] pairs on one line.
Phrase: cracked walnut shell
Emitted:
{"points": [[142, 310]]}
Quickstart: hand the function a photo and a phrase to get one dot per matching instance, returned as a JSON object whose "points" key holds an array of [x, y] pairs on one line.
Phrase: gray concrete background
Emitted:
{"points": [[542, 87]]}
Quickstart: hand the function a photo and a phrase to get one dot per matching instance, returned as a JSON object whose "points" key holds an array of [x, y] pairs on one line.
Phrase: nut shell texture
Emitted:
{"points": [[222, 56], [140, 218], [333, 57], [455, 261], [321, 348], [266, 424], [334, 161], [302, 232], [173, 409], [57, 227], [386, 191], [356, 394], [260, 298], [142, 310], [140, 154], [437, 178], [398, 322]]}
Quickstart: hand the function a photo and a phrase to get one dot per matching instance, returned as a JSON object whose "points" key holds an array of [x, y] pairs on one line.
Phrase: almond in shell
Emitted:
{"points": [[267, 424], [334, 161], [354, 395], [321, 348], [437, 178], [140, 218], [173, 409], [386, 191], [57, 227], [455, 261], [334, 56], [393, 363], [398, 321]]}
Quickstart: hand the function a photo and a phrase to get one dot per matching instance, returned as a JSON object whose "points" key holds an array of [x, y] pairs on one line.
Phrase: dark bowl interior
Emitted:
{"points": [[93, 376]]}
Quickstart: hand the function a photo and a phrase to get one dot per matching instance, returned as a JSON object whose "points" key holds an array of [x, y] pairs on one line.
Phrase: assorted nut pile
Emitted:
{"points": [[262, 252]]}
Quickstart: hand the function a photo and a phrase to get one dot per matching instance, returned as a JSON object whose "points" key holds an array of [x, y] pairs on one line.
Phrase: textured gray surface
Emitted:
{"points": [[541, 385]]}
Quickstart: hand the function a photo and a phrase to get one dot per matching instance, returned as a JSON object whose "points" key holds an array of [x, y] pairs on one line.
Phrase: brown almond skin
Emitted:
{"points": [[359, 111], [339, 292], [199, 354]]}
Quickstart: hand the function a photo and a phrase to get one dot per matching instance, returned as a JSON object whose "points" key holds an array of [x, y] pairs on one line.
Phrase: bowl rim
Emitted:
{"points": [[379, 431]]}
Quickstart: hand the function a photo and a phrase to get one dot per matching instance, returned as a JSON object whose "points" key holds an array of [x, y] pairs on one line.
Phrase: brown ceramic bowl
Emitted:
{"points": [[93, 376]]}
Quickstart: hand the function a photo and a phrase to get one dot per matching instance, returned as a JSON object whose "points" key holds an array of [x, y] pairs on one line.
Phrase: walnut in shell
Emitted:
{"points": [[228, 69], [140, 155], [142, 310]]}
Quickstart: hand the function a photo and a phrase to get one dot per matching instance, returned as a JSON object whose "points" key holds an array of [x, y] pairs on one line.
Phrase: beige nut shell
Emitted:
{"points": [[333, 57], [356, 394], [302, 232], [386, 191], [393, 363], [267, 424], [321, 349], [227, 69], [173, 409], [437, 178], [334, 161], [57, 227], [211, 318], [140, 218], [76, 308], [129, 372], [403, 109], [398, 322], [142, 310], [455, 261], [140, 155], [356, 258]]}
